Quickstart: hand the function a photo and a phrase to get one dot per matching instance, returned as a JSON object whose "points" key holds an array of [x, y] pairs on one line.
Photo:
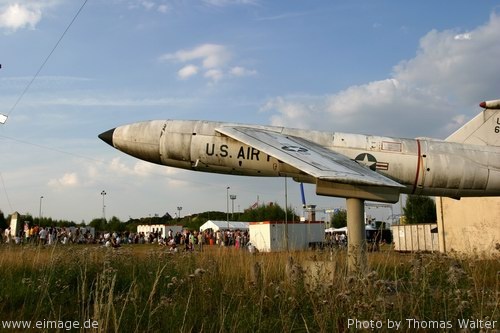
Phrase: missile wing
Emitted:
{"points": [[331, 169], [308, 157]]}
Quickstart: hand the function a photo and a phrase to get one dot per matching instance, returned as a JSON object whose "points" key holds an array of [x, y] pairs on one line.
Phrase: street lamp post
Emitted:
{"points": [[232, 197], [227, 206], [103, 193], [40, 211]]}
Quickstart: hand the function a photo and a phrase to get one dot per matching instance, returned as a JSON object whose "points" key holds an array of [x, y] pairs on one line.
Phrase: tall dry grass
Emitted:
{"points": [[140, 288]]}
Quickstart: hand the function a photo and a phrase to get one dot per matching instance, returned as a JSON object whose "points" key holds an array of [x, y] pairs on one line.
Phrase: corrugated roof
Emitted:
{"points": [[233, 225]]}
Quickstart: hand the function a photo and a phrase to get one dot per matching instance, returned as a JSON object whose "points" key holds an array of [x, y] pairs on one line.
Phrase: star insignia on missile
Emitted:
{"points": [[295, 149], [367, 159]]}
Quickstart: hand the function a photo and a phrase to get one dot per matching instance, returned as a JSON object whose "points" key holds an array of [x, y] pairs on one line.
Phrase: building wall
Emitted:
{"points": [[270, 236], [15, 224], [260, 236], [469, 225]]}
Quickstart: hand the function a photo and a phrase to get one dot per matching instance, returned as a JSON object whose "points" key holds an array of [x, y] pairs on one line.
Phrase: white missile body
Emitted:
{"points": [[374, 168]]}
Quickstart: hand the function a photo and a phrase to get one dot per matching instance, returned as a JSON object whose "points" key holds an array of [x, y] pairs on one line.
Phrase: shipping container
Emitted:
{"points": [[271, 236], [415, 237]]}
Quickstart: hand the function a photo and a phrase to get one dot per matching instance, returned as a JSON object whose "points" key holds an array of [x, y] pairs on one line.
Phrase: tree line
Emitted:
{"points": [[418, 209], [264, 212]]}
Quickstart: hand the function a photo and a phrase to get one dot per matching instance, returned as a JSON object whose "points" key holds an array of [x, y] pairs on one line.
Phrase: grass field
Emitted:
{"points": [[144, 288]]}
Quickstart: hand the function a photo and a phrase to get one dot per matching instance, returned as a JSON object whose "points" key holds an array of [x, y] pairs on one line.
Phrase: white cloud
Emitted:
{"points": [[211, 55], [292, 111], [242, 71], [148, 5], [139, 168], [16, 16], [214, 74], [214, 58], [282, 16], [463, 37], [67, 180], [224, 3], [119, 168], [163, 9], [144, 169], [431, 94], [187, 71]]}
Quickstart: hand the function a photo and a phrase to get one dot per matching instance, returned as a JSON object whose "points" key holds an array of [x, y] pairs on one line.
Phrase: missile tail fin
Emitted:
{"points": [[484, 130]]}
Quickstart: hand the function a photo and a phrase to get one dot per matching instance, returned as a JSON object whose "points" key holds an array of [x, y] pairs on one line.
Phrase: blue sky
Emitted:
{"points": [[401, 68]]}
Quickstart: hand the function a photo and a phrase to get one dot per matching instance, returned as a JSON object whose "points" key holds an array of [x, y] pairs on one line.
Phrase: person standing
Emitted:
{"points": [[7, 235], [42, 235], [200, 241]]}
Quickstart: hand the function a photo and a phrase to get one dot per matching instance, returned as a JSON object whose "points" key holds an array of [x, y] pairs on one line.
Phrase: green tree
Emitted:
{"points": [[270, 212], [339, 218], [27, 218], [98, 223], [3, 221], [114, 224], [420, 209]]}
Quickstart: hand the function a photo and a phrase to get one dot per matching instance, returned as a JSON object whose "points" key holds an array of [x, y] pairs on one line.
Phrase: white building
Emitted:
{"points": [[15, 224], [271, 236]]}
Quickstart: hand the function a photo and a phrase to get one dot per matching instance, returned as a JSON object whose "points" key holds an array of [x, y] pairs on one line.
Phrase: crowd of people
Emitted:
{"points": [[336, 239], [47, 235], [186, 240]]}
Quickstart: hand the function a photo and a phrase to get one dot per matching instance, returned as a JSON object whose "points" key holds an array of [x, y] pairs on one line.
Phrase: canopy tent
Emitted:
{"points": [[224, 225]]}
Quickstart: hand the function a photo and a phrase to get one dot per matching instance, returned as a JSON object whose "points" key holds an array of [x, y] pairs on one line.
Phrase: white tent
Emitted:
{"points": [[343, 229], [224, 225]]}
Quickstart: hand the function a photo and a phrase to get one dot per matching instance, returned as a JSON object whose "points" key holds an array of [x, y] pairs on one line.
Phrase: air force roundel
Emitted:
{"points": [[367, 159], [295, 149]]}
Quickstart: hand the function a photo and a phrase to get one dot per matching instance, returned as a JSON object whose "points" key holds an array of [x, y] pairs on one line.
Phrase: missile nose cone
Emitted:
{"points": [[107, 136], [482, 104]]}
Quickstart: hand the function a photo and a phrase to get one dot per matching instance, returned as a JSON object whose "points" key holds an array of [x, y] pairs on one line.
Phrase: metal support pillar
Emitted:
{"points": [[356, 238]]}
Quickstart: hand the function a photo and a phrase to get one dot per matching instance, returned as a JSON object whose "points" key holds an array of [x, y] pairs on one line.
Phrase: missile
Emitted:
{"points": [[315, 157], [494, 104]]}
